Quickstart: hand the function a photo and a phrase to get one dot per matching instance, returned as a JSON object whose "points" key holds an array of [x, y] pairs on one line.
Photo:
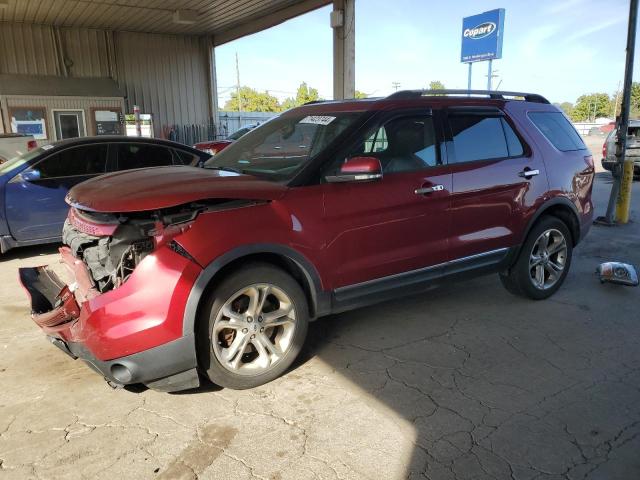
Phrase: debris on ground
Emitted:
{"points": [[616, 272]]}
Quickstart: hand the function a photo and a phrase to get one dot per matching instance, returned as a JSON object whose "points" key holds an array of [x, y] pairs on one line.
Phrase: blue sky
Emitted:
{"points": [[561, 48]]}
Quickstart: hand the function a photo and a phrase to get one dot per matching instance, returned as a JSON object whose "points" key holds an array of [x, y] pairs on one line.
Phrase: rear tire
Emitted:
{"points": [[543, 262], [252, 326]]}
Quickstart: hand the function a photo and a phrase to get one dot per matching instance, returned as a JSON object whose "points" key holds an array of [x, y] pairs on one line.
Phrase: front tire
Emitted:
{"points": [[253, 326], [543, 262]]}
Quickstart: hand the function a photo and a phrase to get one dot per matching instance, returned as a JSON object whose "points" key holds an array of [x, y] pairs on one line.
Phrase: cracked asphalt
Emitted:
{"points": [[465, 382]]}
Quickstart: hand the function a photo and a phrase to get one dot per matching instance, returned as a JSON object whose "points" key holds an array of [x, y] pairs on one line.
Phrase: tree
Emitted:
{"points": [[436, 85], [359, 94], [566, 107], [304, 95], [252, 101], [634, 111], [591, 106]]}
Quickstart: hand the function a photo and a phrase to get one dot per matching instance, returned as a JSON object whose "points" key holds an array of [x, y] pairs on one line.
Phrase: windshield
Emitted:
{"points": [[15, 162], [239, 133], [279, 148]]}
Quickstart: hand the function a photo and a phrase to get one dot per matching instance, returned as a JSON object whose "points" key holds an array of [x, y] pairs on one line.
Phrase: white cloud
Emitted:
{"points": [[585, 32]]}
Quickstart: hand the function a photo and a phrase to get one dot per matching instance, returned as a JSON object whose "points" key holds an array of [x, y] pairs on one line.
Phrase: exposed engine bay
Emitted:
{"points": [[130, 237]]}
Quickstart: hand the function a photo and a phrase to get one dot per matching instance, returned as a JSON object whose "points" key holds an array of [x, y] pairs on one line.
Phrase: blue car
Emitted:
{"points": [[33, 186]]}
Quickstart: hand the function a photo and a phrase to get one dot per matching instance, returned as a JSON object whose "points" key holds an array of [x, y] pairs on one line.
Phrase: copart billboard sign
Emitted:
{"points": [[482, 36]]}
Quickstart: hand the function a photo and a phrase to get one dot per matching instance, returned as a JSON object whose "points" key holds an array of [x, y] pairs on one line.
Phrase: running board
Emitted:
{"points": [[416, 281]]}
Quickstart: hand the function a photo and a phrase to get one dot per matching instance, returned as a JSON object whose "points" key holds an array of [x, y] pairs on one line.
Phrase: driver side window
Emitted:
{"points": [[402, 144]]}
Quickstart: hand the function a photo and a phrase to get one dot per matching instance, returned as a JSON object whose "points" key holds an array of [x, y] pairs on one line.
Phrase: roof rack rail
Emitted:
{"points": [[493, 94]]}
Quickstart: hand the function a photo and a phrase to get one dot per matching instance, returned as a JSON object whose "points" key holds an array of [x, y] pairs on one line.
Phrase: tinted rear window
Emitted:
{"points": [[476, 137], [558, 130]]}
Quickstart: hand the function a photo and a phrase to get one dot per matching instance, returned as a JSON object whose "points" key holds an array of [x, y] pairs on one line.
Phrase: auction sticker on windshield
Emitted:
{"points": [[318, 119]]}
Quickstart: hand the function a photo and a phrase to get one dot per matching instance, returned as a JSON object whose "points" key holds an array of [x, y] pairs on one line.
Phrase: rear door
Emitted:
{"points": [[131, 155], [496, 178], [400, 222], [35, 205]]}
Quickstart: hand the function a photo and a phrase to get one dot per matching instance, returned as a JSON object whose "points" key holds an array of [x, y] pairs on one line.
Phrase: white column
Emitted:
{"points": [[213, 82], [344, 48]]}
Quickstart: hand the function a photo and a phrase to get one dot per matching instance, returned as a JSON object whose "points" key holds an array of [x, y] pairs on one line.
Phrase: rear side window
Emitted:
{"points": [[479, 137], [558, 130], [142, 155], [186, 158]]}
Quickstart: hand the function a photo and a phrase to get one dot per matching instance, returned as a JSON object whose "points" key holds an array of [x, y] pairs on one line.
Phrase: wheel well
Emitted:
{"points": [[280, 261], [567, 215]]}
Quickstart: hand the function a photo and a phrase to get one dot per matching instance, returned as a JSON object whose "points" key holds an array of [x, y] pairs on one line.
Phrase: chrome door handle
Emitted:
{"points": [[528, 173], [425, 190]]}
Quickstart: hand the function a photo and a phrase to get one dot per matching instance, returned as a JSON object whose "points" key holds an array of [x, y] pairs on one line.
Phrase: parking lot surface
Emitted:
{"points": [[464, 382]]}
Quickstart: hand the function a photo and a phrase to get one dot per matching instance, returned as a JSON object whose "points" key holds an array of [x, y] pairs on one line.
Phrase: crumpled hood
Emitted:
{"points": [[162, 187]]}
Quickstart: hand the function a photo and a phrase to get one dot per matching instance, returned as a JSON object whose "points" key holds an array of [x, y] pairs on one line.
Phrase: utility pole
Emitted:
{"points": [[615, 104], [490, 76], [395, 85], [623, 171], [238, 91], [238, 84]]}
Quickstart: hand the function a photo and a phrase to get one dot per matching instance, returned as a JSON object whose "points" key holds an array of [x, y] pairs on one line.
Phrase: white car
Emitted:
{"points": [[14, 145]]}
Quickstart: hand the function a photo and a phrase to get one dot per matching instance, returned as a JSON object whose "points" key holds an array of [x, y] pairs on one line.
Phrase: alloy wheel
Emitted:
{"points": [[254, 329], [548, 259]]}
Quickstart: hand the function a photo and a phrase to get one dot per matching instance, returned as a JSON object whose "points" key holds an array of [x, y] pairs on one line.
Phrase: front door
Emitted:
{"points": [[34, 199], [398, 223], [69, 124]]}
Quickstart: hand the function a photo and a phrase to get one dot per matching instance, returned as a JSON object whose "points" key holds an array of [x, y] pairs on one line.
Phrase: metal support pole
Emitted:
{"points": [[469, 79], [623, 170], [136, 117], [490, 75]]}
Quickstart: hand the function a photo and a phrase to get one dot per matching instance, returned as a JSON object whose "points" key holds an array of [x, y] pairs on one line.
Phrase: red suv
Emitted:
{"points": [[180, 270]]}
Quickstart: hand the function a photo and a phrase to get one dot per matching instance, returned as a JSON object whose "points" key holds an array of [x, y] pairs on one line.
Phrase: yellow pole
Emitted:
{"points": [[624, 196]]}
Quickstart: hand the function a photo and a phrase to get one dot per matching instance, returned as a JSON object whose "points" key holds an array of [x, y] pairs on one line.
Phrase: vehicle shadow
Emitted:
{"points": [[34, 251], [491, 385]]}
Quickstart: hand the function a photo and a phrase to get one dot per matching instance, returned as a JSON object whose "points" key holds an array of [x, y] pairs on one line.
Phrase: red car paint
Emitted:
{"points": [[362, 165], [133, 317], [149, 189], [347, 233], [213, 147]]}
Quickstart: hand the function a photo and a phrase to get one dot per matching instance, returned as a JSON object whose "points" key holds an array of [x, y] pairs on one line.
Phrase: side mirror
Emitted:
{"points": [[30, 175], [358, 169]]}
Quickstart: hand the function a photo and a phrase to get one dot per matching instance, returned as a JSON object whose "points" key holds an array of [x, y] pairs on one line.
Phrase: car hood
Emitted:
{"points": [[162, 187]]}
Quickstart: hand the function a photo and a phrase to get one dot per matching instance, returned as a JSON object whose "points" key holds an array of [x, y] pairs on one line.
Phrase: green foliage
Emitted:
{"points": [[634, 111], [635, 100], [436, 85], [359, 94], [567, 108], [303, 95], [252, 101], [589, 107]]}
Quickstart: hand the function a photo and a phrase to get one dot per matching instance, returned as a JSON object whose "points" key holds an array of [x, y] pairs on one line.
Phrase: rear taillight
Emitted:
{"points": [[31, 144], [604, 150]]}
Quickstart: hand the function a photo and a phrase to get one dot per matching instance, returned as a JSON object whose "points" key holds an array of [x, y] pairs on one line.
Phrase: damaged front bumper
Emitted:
{"points": [[129, 334], [52, 302]]}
